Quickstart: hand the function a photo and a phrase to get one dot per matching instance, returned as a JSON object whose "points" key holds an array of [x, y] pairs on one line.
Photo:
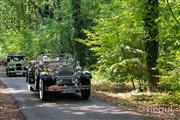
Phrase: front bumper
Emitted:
{"points": [[67, 89], [18, 72]]}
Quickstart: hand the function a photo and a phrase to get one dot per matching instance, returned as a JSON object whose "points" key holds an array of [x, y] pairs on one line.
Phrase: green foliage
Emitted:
{"points": [[117, 40], [37, 32], [159, 98], [34, 26], [169, 57], [112, 29], [101, 83], [170, 81], [167, 99]]}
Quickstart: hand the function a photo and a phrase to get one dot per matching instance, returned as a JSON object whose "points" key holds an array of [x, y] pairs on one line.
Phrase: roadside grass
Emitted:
{"points": [[100, 83], [159, 98], [146, 103]]}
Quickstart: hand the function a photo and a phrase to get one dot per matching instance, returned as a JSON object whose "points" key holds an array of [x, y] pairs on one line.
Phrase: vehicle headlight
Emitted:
{"points": [[75, 81], [78, 73], [59, 81]]}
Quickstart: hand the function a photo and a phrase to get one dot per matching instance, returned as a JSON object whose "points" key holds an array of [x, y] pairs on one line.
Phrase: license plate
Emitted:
{"points": [[67, 90]]}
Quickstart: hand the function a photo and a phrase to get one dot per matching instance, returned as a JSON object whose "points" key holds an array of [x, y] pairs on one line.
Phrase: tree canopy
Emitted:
{"points": [[129, 40]]}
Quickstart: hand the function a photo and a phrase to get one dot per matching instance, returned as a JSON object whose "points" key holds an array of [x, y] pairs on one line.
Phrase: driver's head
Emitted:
{"points": [[45, 58]]}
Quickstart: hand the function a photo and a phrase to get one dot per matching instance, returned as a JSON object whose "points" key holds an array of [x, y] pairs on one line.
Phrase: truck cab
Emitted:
{"points": [[16, 65]]}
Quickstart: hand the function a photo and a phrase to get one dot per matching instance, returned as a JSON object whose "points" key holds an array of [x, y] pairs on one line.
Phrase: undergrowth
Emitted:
{"points": [[101, 83]]}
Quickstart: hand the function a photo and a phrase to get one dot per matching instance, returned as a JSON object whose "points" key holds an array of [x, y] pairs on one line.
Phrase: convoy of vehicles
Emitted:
{"points": [[61, 74], [16, 65]]}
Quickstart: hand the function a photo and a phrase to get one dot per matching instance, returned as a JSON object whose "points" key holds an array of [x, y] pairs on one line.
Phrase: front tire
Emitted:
{"points": [[85, 94], [37, 79], [42, 93], [27, 78], [8, 74]]}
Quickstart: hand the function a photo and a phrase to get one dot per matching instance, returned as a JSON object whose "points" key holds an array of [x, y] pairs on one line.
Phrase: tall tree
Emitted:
{"points": [[151, 42], [79, 48]]}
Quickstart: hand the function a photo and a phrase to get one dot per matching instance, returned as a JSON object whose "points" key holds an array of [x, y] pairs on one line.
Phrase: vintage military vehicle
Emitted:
{"points": [[60, 75], [16, 65]]}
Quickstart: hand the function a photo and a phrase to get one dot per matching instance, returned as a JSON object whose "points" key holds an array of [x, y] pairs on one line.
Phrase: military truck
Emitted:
{"points": [[16, 65]]}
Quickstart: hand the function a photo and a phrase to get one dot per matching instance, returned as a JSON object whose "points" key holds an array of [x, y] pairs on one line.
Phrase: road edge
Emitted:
{"points": [[16, 105]]}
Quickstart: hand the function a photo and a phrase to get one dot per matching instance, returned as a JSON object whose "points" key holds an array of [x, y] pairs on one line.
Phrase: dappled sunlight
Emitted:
{"points": [[98, 109], [15, 91], [47, 105], [84, 108], [78, 113], [66, 105]]}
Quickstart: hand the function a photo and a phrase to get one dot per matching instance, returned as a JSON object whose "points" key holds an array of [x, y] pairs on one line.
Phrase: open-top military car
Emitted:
{"points": [[16, 65], [60, 75]]}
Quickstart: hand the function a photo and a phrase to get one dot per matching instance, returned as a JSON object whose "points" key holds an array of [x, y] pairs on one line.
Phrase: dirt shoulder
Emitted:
{"points": [[8, 108], [159, 106], [126, 101]]}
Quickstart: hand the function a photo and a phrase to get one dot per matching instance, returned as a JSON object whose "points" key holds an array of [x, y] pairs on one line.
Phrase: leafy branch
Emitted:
{"points": [[170, 9], [8, 24]]}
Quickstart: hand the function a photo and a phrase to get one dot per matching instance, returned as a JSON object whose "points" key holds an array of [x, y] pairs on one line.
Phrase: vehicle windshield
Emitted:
{"points": [[63, 59], [17, 58]]}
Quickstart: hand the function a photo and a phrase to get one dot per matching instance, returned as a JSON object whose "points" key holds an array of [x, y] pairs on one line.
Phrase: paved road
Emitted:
{"points": [[64, 107]]}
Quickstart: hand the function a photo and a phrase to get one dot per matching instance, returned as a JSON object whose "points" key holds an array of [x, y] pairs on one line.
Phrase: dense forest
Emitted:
{"points": [[135, 41]]}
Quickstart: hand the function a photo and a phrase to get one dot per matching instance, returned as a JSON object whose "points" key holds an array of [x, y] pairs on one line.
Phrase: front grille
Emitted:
{"points": [[11, 69], [65, 81], [18, 67], [65, 71]]}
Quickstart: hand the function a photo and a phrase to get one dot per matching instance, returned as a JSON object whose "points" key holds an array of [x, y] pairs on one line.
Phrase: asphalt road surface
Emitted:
{"points": [[63, 107]]}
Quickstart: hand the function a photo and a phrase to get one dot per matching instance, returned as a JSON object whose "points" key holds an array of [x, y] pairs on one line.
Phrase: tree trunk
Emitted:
{"points": [[132, 81], [29, 15], [79, 48], [151, 42]]}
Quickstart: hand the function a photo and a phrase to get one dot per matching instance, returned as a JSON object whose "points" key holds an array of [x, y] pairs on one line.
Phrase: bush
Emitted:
{"points": [[171, 81]]}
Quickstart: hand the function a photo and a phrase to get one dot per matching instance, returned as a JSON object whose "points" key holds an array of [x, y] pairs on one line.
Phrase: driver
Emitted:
{"points": [[45, 58]]}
